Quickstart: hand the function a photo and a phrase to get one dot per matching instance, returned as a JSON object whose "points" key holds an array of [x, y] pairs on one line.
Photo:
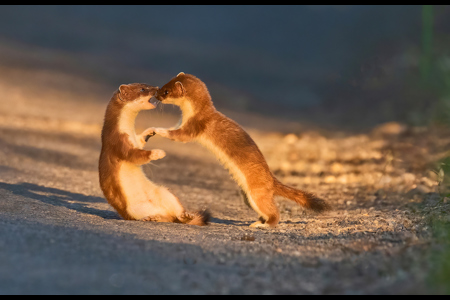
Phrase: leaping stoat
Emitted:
{"points": [[122, 180], [234, 148]]}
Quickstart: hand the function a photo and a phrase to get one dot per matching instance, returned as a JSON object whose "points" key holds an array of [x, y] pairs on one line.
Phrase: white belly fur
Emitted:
{"points": [[234, 170], [143, 197]]}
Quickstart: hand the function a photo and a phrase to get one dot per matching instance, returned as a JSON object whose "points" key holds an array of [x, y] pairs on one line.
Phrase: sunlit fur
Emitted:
{"points": [[232, 146], [122, 180]]}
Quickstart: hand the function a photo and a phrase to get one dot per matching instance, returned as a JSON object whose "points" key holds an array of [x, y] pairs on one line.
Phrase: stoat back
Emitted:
{"points": [[119, 138], [232, 146]]}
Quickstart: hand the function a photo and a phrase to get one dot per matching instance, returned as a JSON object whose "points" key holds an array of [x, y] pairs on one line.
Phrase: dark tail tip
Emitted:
{"points": [[199, 218], [315, 203]]}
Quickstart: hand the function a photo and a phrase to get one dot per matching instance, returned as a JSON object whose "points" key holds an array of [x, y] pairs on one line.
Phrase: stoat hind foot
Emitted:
{"points": [[260, 225]]}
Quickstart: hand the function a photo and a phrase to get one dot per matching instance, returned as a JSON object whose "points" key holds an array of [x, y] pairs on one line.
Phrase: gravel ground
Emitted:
{"points": [[58, 235]]}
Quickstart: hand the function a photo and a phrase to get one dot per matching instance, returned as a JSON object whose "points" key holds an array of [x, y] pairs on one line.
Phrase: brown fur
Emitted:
{"points": [[233, 146], [118, 149]]}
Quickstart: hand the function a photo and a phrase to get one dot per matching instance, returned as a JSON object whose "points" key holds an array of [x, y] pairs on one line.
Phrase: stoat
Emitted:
{"points": [[122, 180], [234, 148]]}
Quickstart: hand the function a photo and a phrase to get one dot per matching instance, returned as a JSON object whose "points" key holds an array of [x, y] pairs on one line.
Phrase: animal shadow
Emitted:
{"points": [[53, 196]]}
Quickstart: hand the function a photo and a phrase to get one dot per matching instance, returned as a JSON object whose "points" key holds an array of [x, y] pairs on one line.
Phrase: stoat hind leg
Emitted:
{"points": [[261, 223], [263, 203], [245, 198]]}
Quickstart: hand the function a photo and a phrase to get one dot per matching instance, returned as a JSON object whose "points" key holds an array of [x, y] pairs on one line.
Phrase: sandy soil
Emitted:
{"points": [[58, 235]]}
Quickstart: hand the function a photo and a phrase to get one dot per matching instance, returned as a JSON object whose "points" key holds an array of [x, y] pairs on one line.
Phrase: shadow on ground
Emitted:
{"points": [[53, 196], [77, 202]]}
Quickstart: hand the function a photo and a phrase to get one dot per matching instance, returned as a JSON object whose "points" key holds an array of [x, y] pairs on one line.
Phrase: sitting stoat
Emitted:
{"points": [[122, 180], [234, 148]]}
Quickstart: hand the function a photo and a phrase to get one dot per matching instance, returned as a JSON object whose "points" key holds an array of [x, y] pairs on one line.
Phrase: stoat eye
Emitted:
{"points": [[166, 92], [142, 90]]}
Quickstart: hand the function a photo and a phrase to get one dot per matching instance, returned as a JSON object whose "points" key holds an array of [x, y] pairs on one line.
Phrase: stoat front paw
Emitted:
{"points": [[161, 131], [148, 133], [157, 154]]}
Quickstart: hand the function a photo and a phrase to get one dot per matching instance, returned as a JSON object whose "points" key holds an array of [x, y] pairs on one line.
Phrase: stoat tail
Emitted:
{"points": [[199, 218], [305, 199]]}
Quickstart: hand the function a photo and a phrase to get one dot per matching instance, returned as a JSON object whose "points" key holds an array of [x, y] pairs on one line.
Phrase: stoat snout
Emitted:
{"points": [[154, 101]]}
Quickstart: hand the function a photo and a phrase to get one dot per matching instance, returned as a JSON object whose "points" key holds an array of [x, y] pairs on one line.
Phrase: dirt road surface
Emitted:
{"points": [[58, 235]]}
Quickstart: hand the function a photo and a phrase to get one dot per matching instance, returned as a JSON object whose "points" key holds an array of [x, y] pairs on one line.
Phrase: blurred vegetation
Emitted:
{"points": [[435, 81], [435, 77], [439, 220], [439, 276], [434, 71]]}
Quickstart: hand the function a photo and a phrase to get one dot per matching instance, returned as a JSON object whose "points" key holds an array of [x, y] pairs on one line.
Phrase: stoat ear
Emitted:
{"points": [[180, 88], [181, 73], [124, 88]]}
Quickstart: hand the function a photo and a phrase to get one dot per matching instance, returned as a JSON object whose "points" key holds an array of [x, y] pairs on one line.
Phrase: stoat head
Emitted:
{"points": [[173, 92], [137, 96], [184, 89]]}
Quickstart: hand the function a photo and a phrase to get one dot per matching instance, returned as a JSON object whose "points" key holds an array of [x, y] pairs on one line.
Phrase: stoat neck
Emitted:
{"points": [[127, 119], [189, 110]]}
